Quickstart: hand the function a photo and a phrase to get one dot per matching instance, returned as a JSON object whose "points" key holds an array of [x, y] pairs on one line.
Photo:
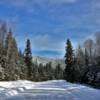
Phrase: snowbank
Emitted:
{"points": [[50, 90]]}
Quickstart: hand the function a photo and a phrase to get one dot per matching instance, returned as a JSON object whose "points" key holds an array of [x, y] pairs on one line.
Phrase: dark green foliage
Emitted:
{"points": [[70, 70], [11, 53], [28, 58], [86, 58], [98, 60], [11, 62], [3, 32], [84, 67], [58, 72]]}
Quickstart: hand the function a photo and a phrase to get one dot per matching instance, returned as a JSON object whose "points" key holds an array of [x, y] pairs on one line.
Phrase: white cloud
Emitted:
{"points": [[45, 42], [41, 40]]}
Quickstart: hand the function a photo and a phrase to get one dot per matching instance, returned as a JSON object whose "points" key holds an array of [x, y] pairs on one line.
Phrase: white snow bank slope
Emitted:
{"points": [[50, 90]]}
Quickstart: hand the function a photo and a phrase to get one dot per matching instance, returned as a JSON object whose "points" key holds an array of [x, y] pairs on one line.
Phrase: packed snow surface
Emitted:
{"points": [[49, 90]]}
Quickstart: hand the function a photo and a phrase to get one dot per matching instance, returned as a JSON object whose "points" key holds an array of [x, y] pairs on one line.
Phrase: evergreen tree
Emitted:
{"points": [[3, 32], [11, 53], [8, 43], [23, 67], [49, 71], [41, 72], [58, 72], [28, 58], [35, 71], [69, 73], [86, 58]]}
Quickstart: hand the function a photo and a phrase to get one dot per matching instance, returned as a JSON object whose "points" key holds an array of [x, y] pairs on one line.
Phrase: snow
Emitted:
{"points": [[49, 90]]}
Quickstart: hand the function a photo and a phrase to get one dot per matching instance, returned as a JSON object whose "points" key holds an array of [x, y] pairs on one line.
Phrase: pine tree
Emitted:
{"points": [[3, 31], [49, 71], [35, 71], [11, 53], [8, 43], [23, 67], [86, 58], [28, 58], [41, 72], [69, 73], [58, 72]]}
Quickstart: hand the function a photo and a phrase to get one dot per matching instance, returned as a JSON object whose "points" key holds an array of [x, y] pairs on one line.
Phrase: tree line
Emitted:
{"points": [[15, 64], [83, 62]]}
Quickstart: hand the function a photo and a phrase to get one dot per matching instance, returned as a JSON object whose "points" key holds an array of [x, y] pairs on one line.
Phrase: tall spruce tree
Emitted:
{"points": [[69, 73], [28, 58], [11, 53]]}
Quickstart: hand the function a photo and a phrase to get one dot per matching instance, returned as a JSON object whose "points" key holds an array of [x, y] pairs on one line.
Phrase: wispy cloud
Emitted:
{"points": [[41, 40], [59, 19], [46, 43]]}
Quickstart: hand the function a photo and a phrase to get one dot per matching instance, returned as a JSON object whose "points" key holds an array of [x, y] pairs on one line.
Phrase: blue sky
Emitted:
{"points": [[48, 23]]}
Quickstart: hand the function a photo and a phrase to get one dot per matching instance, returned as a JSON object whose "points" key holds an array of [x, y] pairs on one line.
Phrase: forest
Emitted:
{"points": [[15, 64], [82, 63]]}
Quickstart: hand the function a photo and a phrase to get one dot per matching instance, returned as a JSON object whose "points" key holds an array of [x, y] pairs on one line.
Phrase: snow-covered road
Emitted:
{"points": [[50, 90]]}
